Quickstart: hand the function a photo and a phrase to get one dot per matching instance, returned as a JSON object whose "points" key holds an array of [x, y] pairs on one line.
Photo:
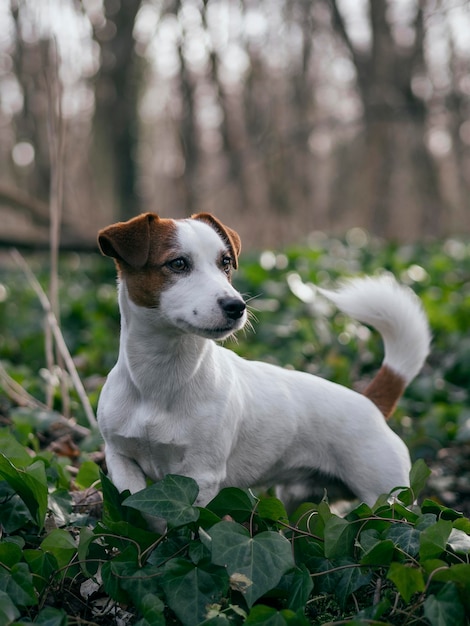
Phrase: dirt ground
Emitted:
{"points": [[449, 483]]}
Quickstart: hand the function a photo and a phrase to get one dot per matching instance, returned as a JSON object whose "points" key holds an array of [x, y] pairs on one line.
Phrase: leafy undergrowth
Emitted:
{"points": [[74, 551], [88, 556]]}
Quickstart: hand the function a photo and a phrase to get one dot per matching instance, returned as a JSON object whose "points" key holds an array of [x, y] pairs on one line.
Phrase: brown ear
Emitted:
{"points": [[128, 241], [230, 236]]}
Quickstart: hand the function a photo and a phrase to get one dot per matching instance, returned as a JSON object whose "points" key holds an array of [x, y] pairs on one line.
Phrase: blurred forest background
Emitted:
{"points": [[280, 116]]}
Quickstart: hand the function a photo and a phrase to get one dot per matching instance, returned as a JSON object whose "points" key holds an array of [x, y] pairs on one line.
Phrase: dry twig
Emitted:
{"points": [[57, 333]]}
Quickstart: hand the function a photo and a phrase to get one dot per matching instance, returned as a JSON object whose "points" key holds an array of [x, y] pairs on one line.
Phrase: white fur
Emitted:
{"points": [[395, 311], [176, 402]]}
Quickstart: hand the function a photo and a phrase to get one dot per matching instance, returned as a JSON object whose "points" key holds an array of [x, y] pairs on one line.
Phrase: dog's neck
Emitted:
{"points": [[162, 361]]}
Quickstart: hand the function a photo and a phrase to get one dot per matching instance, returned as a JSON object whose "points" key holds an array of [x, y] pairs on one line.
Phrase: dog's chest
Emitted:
{"points": [[157, 441]]}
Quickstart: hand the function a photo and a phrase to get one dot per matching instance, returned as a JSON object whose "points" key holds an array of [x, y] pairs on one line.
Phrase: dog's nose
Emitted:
{"points": [[232, 307]]}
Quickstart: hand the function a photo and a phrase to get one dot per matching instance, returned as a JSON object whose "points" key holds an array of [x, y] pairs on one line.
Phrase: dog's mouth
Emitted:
{"points": [[218, 332]]}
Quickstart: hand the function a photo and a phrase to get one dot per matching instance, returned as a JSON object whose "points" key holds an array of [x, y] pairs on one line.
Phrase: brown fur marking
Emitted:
{"points": [[141, 247], [231, 237], [385, 390]]}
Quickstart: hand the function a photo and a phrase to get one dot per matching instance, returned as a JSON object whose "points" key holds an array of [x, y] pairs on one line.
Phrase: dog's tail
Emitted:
{"points": [[396, 312]]}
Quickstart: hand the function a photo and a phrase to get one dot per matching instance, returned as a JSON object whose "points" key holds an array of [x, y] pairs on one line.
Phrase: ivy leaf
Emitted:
{"points": [[458, 573], [419, 475], [171, 499], [190, 588], [339, 537], [42, 565], [232, 501], [380, 553], [404, 537], [52, 617], [299, 589], [261, 615], [445, 608], [61, 545], [88, 474], [433, 539], [18, 584], [255, 564], [30, 484], [272, 509], [13, 450], [153, 611], [10, 553], [14, 514], [348, 580], [408, 580], [8, 610]]}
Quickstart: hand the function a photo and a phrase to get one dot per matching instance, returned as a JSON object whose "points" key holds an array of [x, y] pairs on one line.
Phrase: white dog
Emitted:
{"points": [[176, 402]]}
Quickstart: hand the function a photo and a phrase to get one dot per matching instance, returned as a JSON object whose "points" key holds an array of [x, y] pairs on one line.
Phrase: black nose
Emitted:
{"points": [[232, 307]]}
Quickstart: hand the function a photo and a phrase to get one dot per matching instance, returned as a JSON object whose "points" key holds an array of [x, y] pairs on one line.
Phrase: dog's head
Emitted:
{"points": [[181, 269]]}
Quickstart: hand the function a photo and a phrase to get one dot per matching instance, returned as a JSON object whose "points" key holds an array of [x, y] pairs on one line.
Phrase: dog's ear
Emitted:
{"points": [[128, 241], [231, 237]]}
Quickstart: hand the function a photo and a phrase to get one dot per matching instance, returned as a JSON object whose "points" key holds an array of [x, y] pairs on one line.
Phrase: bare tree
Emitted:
{"points": [[392, 144], [117, 90]]}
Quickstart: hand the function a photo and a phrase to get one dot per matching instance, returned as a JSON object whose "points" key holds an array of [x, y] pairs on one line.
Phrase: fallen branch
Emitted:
{"points": [[18, 394], [57, 333]]}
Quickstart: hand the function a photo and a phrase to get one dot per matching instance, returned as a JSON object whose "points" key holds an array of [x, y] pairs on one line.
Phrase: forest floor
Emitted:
{"points": [[449, 482]]}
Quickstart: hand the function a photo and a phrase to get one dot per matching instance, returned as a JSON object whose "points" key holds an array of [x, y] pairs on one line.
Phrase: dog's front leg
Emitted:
{"points": [[208, 485], [124, 472]]}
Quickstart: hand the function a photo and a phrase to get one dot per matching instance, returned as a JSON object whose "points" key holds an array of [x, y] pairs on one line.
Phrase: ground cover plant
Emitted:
{"points": [[74, 551]]}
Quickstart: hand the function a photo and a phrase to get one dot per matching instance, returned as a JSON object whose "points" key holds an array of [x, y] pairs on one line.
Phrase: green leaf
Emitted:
{"points": [[152, 608], [408, 580], [340, 536], [419, 475], [255, 564], [14, 514], [171, 499], [17, 582], [90, 551], [299, 588], [61, 545], [235, 502], [30, 484], [433, 540], [12, 450], [349, 580], [404, 537], [261, 615], [272, 509], [445, 608], [458, 573], [42, 565], [429, 506], [8, 610], [88, 474], [10, 553], [380, 554], [199, 585], [52, 617], [113, 574]]}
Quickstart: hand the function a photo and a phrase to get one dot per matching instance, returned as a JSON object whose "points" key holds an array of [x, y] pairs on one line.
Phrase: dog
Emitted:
{"points": [[176, 402]]}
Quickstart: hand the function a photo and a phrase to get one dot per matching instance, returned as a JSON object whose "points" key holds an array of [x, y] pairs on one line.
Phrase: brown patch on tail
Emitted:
{"points": [[385, 390]]}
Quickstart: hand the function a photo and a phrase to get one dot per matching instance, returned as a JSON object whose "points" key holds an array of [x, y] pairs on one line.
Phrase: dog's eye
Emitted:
{"points": [[178, 265], [227, 264]]}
